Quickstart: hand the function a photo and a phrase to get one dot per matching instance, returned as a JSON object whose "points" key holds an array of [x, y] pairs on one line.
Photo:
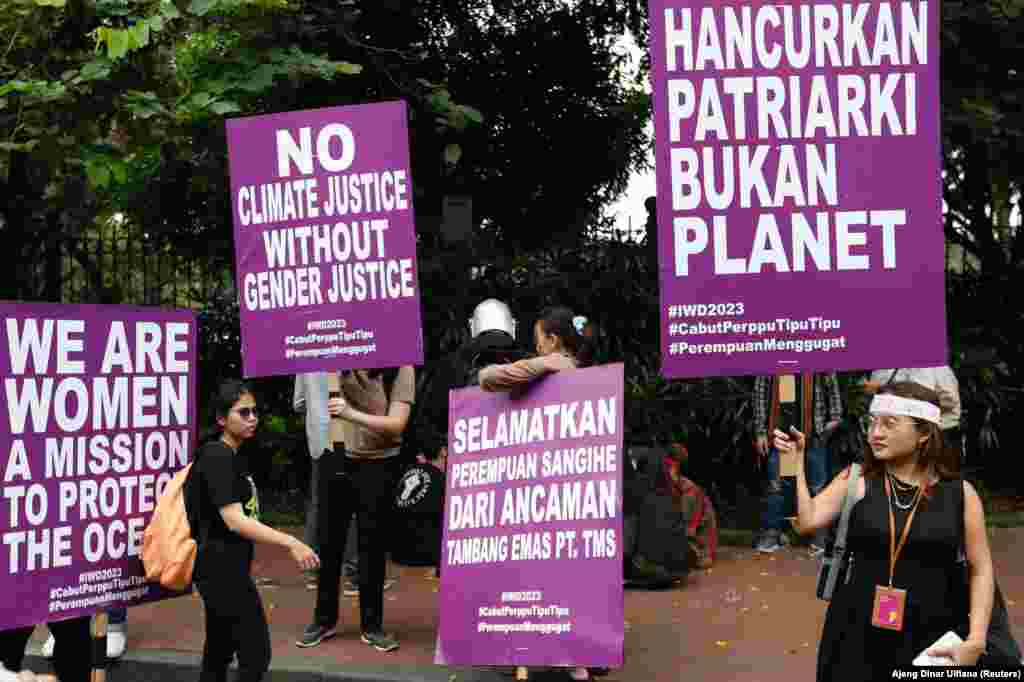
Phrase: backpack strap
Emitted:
{"points": [[839, 548], [200, 532]]}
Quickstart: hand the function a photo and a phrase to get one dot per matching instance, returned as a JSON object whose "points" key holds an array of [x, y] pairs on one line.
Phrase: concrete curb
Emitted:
{"points": [[155, 665]]}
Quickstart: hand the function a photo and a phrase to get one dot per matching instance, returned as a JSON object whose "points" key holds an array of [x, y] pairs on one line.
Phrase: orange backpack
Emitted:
{"points": [[168, 549]]}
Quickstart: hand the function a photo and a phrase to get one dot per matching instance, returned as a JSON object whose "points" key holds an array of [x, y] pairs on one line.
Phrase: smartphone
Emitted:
{"points": [[789, 418]]}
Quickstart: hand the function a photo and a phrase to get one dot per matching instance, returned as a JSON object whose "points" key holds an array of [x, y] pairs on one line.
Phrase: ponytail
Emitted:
{"points": [[559, 321]]}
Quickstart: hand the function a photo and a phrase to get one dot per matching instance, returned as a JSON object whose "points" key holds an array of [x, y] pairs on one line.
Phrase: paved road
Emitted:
{"points": [[751, 617]]}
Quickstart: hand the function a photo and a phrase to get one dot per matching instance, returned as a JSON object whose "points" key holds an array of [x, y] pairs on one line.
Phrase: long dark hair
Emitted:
{"points": [[558, 321], [224, 398], [934, 452]]}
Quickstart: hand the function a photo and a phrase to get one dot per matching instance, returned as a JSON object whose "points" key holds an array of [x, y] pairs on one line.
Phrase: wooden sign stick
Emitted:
{"points": [[98, 630]]}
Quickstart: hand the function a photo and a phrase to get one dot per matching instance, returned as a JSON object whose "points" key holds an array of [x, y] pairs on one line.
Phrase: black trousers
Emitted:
{"points": [[72, 652], [365, 488], [235, 624]]}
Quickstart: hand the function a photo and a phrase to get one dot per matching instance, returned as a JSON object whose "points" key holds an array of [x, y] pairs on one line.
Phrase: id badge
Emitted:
{"points": [[890, 604]]}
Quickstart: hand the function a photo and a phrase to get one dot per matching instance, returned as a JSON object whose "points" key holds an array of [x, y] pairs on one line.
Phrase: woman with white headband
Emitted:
{"points": [[911, 518]]}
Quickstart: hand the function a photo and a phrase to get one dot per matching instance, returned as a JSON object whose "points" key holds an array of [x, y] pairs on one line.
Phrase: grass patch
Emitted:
{"points": [[279, 512], [283, 508], [1004, 519], [738, 537], [735, 537], [278, 518]]}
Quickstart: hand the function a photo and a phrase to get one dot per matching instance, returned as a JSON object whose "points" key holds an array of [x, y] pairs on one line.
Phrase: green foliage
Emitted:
{"points": [[19, 146], [95, 70], [104, 167], [27, 7], [203, 8], [35, 91], [106, 9], [553, 130], [120, 41], [218, 68], [983, 136], [143, 104], [219, 83], [274, 423]]}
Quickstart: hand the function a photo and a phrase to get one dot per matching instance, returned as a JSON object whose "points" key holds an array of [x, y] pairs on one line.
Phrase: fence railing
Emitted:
{"points": [[116, 265]]}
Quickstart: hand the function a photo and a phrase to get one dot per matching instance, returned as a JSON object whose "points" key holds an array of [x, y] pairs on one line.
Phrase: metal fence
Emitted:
{"points": [[115, 264]]}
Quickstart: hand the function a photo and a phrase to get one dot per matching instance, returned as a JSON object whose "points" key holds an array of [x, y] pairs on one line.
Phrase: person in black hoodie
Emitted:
{"points": [[492, 342], [419, 499], [224, 511]]}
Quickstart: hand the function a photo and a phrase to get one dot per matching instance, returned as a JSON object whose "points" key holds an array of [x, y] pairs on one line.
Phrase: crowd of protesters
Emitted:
{"points": [[360, 423]]}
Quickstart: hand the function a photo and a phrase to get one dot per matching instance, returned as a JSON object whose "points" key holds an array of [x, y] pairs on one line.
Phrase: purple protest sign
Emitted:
{"points": [[325, 243], [100, 415], [532, 550], [799, 190]]}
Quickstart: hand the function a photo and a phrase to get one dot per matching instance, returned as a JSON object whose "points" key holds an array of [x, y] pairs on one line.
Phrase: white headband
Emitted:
{"points": [[906, 407]]}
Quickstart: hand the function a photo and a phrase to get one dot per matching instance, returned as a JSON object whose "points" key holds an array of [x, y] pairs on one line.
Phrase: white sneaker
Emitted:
{"points": [[47, 648], [116, 641]]}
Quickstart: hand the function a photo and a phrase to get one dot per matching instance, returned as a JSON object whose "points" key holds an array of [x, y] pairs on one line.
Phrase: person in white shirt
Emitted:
{"points": [[310, 399]]}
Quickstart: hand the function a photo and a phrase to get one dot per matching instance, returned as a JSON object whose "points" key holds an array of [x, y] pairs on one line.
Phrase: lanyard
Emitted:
{"points": [[895, 549]]}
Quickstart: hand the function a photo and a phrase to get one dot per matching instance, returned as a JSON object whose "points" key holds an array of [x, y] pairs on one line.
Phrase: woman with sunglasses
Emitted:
{"points": [[911, 518], [222, 499]]}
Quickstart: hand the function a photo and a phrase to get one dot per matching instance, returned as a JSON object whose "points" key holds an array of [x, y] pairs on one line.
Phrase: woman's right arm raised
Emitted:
{"points": [[820, 511]]}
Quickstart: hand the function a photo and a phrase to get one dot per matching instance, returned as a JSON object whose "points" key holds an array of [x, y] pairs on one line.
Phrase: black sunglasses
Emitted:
{"points": [[247, 412]]}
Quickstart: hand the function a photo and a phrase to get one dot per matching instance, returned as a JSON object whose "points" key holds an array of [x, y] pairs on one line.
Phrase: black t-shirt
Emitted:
{"points": [[419, 503], [219, 478]]}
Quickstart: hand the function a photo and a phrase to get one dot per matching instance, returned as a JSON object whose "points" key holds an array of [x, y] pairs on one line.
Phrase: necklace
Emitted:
{"points": [[902, 485], [898, 487]]}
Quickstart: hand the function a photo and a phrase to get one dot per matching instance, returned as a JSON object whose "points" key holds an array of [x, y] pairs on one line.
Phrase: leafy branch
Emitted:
{"points": [[120, 41]]}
